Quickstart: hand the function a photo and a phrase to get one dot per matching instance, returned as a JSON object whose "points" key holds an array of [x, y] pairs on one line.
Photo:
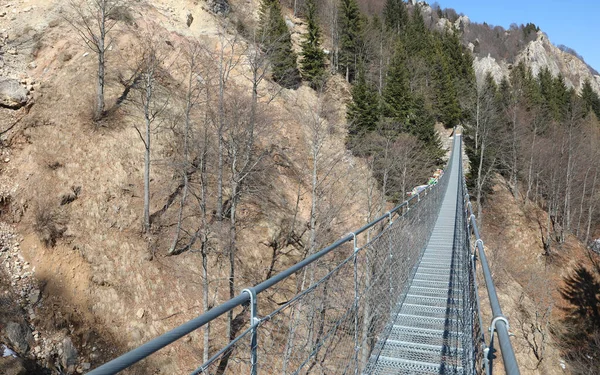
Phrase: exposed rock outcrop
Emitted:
{"points": [[539, 54], [218, 6], [489, 64], [542, 53]]}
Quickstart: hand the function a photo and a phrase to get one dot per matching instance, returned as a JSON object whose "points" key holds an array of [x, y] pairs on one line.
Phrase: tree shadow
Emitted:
{"points": [[580, 331]]}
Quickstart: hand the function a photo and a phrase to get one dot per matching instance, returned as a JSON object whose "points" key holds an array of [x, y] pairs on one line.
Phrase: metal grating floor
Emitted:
{"points": [[426, 337]]}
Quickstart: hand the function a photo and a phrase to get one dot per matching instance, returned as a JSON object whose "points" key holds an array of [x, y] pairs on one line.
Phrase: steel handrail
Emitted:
{"points": [[145, 350], [499, 322]]}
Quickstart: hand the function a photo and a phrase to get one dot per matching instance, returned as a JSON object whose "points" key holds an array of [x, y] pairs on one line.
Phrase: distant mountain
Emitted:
{"points": [[497, 50]]}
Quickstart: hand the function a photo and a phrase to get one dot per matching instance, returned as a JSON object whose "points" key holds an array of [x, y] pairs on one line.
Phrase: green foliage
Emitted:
{"points": [[529, 29], [395, 15], [397, 98], [313, 57], [277, 43], [590, 98], [445, 76], [350, 32], [363, 110]]}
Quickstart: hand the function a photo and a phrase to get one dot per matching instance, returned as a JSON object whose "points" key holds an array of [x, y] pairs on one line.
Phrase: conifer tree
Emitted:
{"points": [[350, 33], [395, 15], [446, 104], [313, 57], [590, 98], [397, 99], [277, 43], [422, 125], [363, 110]]}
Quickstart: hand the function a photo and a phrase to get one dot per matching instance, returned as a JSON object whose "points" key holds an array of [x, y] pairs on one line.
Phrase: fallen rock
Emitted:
{"points": [[218, 6], [19, 336], [189, 19], [69, 353], [34, 296], [12, 94]]}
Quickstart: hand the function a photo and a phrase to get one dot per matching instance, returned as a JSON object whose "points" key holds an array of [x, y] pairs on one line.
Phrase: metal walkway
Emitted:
{"points": [[425, 336], [404, 301]]}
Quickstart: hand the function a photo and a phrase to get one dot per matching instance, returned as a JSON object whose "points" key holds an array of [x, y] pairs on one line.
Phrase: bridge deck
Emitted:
{"points": [[426, 334]]}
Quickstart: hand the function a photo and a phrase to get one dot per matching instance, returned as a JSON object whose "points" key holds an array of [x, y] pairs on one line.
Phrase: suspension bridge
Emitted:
{"points": [[398, 296]]}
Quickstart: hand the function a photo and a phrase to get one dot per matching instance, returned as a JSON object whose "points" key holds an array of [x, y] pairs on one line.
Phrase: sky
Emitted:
{"points": [[574, 23]]}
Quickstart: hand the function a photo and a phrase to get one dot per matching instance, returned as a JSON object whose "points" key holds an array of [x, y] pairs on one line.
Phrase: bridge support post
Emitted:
{"points": [[254, 321], [356, 298]]}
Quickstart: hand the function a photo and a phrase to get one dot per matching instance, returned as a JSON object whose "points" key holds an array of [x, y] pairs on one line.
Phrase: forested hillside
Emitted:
{"points": [[157, 163]]}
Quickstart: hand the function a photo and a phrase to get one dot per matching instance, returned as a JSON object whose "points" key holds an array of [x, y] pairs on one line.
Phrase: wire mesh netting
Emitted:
{"points": [[343, 302], [406, 302]]}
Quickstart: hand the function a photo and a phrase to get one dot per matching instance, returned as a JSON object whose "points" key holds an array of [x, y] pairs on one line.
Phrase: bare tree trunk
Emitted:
{"points": [[92, 21], [186, 147], [568, 182], [591, 208], [530, 171], [480, 185], [148, 123], [220, 130], [101, 62], [232, 251], [514, 154], [587, 172], [205, 231]]}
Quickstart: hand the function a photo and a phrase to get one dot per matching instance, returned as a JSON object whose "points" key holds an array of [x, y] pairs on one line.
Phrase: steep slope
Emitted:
{"points": [[539, 54], [103, 285]]}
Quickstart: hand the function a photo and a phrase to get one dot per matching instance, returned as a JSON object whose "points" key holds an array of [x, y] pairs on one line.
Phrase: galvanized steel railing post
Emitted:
{"points": [[356, 343], [254, 322]]}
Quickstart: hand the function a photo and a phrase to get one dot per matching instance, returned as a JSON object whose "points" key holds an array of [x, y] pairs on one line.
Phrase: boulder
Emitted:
{"points": [[69, 353], [19, 336], [218, 6], [12, 94]]}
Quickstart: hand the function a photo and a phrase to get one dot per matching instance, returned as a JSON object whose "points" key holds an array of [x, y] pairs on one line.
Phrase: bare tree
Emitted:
{"points": [[153, 102], [227, 60], [93, 20], [194, 87]]}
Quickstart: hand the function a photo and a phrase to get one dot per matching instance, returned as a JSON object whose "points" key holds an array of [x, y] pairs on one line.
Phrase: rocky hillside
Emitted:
{"points": [[497, 50], [82, 281], [85, 283], [538, 54]]}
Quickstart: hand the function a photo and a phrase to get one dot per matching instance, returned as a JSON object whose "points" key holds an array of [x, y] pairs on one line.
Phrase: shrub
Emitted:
{"points": [[49, 224]]}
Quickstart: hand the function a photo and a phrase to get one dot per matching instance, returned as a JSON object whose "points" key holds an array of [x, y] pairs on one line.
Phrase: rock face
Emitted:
{"points": [[539, 54], [19, 336], [12, 94], [218, 6], [489, 64], [542, 53], [69, 354]]}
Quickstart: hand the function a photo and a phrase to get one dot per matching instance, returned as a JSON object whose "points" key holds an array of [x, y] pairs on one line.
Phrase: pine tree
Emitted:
{"points": [[363, 110], [397, 98], [590, 98], [417, 35], [277, 43], [350, 33], [395, 15], [313, 57], [445, 75]]}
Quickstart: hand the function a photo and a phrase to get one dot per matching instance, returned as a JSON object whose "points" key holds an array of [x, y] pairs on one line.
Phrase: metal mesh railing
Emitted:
{"points": [[346, 298], [335, 302], [328, 313]]}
